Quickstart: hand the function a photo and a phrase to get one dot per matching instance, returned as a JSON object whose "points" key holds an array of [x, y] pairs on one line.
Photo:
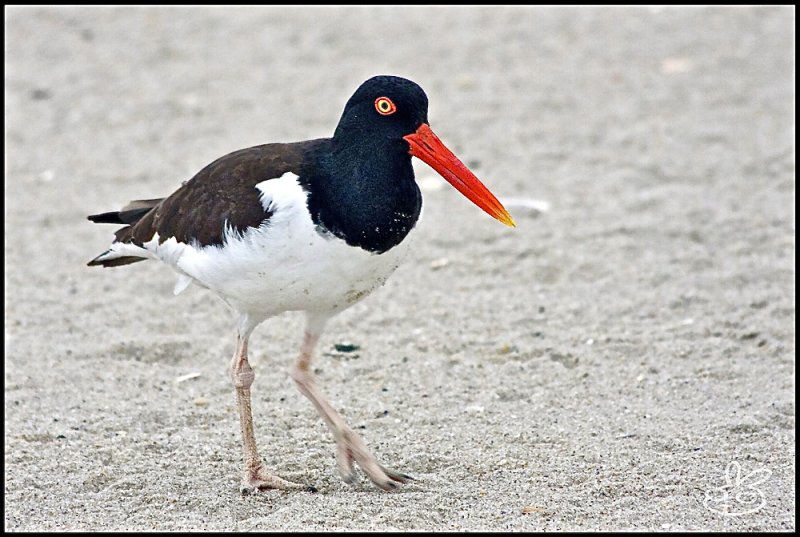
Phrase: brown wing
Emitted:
{"points": [[222, 192]]}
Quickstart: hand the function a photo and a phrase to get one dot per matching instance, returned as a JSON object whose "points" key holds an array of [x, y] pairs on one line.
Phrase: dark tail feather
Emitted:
{"points": [[116, 262], [113, 217], [130, 214]]}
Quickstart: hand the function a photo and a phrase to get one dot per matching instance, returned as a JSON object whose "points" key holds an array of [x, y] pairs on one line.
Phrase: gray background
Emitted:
{"points": [[598, 367]]}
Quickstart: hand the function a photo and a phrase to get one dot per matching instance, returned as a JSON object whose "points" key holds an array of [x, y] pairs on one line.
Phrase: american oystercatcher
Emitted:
{"points": [[312, 226]]}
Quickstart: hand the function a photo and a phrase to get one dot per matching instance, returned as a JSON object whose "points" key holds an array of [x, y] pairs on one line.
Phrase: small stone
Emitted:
{"points": [[528, 509], [439, 263], [466, 81], [676, 65], [188, 376], [346, 347]]}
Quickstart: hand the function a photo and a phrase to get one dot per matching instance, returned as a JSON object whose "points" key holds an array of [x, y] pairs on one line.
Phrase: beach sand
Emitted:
{"points": [[602, 366]]}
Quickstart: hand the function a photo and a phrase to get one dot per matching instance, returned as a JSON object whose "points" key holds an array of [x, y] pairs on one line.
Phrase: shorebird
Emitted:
{"points": [[312, 226]]}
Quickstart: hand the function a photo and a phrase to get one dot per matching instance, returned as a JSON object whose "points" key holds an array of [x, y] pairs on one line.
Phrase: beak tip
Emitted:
{"points": [[507, 220]]}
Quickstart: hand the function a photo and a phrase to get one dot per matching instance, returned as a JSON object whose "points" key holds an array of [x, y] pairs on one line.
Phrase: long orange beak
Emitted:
{"points": [[428, 147]]}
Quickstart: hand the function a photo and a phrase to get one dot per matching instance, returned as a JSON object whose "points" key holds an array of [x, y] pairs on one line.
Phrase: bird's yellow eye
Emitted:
{"points": [[385, 106]]}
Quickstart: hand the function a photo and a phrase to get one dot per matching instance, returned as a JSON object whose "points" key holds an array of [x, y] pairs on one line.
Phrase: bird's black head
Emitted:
{"points": [[383, 125], [384, 108]]}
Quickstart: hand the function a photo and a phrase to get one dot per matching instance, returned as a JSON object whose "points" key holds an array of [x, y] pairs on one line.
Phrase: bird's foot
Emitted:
{"points": [[351, 449], [258, 480]]}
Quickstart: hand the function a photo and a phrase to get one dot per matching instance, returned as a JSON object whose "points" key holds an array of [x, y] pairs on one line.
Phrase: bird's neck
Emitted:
{"points": [[366, 194]]}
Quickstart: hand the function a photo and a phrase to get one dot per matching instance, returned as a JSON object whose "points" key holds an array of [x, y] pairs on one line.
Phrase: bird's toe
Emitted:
{"points": [[397, 476], [257, 480], [388, 485]]}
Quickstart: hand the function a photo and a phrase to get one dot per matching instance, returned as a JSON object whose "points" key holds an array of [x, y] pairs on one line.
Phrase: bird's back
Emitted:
{"points": [[220, 196]]}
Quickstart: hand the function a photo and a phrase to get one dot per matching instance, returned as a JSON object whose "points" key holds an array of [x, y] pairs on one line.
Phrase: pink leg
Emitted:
{"points": [[254, 477], [350, 448]]}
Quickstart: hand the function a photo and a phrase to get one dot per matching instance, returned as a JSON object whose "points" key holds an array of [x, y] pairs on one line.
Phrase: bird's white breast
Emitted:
{"points": [[286, 264]]}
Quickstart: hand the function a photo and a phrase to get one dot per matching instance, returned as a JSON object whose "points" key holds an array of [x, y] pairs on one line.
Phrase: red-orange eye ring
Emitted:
{"points": [[385, 106]]}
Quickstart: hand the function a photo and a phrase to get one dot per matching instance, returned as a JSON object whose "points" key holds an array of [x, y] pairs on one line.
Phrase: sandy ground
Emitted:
{"points": [[597, 368]]}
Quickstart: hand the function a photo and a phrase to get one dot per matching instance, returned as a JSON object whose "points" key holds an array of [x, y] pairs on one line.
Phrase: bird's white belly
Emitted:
{"points": [[285, 264]]}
